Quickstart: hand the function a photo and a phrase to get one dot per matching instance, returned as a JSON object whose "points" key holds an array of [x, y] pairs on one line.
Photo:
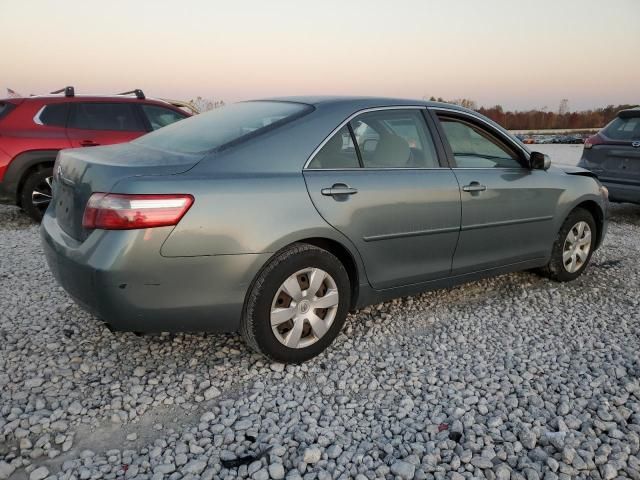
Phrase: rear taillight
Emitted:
{"points": [[115, 211], [593, 140]]}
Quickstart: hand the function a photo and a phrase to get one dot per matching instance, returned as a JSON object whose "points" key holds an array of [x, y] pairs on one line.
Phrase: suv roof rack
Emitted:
{"points": [[68, 91], [138, 93]]}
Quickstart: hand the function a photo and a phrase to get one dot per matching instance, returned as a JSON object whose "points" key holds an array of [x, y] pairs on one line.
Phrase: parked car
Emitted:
{"points": [[576, 138], [34, 129], [613, 154], [272, 218]]}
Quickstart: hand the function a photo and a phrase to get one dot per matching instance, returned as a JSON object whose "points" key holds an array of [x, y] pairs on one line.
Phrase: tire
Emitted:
{"points": [[560, 267], [35, 194], [269, 296]]}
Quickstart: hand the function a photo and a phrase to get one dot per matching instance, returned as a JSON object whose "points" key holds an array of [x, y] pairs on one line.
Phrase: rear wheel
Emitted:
{"points": [[297, 305], [573, 247], [35, 195]]}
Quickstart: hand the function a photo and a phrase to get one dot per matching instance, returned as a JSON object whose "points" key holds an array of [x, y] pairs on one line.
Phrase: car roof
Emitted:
{"points": [[363, 101]]}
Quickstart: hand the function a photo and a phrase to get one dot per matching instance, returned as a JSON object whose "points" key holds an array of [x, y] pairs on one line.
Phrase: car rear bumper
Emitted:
{"points": [[120, 277], [622, 192]]}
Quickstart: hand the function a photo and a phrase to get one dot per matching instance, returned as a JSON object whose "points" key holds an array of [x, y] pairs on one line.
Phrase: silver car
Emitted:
{"points": [[278, 217]]}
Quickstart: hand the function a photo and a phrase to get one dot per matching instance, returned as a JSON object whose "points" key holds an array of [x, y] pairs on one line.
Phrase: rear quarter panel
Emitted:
{"points": [[252, 197], [235, 214]]}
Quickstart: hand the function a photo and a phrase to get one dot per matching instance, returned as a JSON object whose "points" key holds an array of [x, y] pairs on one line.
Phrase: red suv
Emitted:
{"points": [[34, 129]]}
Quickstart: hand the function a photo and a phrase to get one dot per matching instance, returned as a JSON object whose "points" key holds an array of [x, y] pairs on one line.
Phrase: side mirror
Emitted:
{"points": [[539, 161]]}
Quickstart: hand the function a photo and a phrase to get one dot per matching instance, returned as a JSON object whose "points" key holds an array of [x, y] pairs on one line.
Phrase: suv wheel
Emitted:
{"points": [[36, 192], [297, 305], [573, 247]]}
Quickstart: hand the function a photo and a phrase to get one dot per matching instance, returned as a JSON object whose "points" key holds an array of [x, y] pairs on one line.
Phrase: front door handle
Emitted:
{"points": [[474, 187], [89, 143], [338, 189]]}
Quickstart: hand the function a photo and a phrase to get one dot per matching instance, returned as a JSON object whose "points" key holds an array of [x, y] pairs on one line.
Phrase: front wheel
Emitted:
{"points": [[297, 304], [573, 247], [35, 195]]}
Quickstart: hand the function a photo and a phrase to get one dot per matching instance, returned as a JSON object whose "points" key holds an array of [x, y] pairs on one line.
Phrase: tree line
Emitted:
{"points": [[543, 119]]}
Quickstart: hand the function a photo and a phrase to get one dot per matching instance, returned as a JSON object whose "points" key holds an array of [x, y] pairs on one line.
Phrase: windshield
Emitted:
{"points": [[219, 127]]}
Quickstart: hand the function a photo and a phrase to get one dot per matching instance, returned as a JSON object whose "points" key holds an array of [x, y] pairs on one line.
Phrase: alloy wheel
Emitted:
{"points": [[577, 246], [304, 308], [41, 194]]}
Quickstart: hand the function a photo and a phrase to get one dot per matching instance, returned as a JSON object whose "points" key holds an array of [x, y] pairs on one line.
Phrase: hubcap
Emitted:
{"points": [[577, 246], [304, 308], [41, 195]]}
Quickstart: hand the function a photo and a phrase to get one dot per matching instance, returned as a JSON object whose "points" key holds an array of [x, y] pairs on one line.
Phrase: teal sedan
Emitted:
{"points": [[277, 217]]}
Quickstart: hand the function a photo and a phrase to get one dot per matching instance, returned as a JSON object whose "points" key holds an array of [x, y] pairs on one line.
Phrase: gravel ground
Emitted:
{"points": [[511, 377]]}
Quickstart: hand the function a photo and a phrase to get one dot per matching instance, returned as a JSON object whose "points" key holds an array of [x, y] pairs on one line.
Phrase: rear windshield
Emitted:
{"points": [[624, 129], [219, 127], [5, 108]]}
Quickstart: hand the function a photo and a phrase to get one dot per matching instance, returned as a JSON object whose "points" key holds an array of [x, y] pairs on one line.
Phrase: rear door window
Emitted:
{"points": [[624, 129], [105, 116], [54, 115], [339, 152], [5, 108], [159, 117], [394, 139]]}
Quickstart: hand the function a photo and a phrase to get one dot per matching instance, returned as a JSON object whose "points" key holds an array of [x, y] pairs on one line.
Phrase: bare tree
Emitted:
{"points": [[206, 104]]}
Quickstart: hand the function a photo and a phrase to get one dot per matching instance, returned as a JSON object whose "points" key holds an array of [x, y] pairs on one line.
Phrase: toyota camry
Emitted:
{"points": [[277, 217]]}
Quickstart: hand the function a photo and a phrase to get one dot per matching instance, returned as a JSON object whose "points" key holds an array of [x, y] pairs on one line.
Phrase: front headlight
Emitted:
{"points": [[604, 191]]}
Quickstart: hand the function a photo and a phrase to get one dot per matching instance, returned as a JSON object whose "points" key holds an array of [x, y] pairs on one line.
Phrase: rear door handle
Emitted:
{"points": [[89, 143], [474, 187], [339, 189]]}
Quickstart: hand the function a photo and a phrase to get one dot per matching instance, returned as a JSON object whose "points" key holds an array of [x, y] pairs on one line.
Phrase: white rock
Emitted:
{"points": [[6, 469], [312, 455], [276, 471], [404, 470], [39, 473], [211, 392]]}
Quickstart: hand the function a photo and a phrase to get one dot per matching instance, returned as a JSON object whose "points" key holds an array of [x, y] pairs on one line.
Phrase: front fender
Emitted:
{"points": [[584, 192]]}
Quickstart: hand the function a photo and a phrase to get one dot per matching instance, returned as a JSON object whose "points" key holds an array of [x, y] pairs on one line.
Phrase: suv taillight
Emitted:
{"points": [[593, 140], [115, 211]]}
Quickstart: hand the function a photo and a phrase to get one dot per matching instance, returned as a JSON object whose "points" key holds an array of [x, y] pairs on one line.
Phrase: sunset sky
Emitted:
{"points": [[520, 54]]}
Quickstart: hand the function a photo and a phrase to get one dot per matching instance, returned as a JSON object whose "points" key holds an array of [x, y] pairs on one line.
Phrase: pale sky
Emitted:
{"points": [[520, 54]]}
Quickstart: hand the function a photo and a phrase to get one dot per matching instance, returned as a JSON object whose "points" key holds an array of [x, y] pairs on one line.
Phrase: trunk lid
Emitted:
{"points": [[82, 171]]}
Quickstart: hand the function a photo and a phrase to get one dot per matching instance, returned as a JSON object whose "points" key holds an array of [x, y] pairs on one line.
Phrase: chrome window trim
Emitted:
{"points": [[351, 117], [360, 169], [36, 117], [489, 169], [481, 120]]}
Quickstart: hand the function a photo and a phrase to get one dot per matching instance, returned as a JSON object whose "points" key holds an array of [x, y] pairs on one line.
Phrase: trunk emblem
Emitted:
{"points": [[635, 144]]}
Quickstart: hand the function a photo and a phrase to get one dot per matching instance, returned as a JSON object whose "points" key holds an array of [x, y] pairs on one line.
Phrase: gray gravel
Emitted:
{"points": [[512, 377]]}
